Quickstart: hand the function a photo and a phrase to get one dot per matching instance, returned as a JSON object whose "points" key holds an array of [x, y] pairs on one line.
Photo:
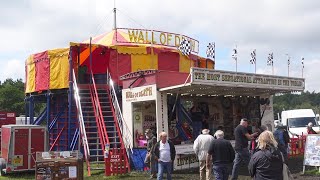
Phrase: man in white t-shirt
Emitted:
{"points": [[165, 153]]}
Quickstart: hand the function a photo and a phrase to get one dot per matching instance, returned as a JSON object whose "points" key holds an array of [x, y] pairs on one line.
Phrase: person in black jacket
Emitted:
{"points": [[222, 154], [150, 159], [165, 153], [266, 163]]}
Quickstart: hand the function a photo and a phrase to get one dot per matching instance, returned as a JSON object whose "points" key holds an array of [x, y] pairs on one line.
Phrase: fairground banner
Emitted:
{"points": [[154, 37]]}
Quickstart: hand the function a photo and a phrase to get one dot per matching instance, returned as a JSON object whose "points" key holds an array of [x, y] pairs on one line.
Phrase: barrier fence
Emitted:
{"points": [[296, 146]]}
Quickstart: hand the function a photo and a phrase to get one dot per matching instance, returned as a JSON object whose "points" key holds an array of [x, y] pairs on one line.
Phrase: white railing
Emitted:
{"points": [[80, 118], [127, 135]]}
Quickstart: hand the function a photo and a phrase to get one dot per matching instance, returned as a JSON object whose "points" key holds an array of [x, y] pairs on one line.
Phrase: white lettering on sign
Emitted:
{"points": [[115, 158], [144, 36]]}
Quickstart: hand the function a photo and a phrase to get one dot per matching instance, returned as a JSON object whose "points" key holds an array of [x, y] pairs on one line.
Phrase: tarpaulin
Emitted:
{"points": [[143, 62], [168, 61], [42, 70], [185, 64], [59, 68], [30, 75]]}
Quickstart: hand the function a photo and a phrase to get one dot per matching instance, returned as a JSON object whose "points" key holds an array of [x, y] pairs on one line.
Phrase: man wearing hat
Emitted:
{"points": [[150, 160], [201, 146]]}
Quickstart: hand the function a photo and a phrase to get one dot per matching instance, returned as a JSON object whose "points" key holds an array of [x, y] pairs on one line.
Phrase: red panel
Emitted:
{"points": [[5, 139], [42, 71], [168, 61], [21, 138], [176, 78], [100, 61], [37, 143], [119, 65], [144, 81]]}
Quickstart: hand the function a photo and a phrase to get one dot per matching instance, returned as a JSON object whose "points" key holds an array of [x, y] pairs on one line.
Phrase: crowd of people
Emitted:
{"points": [[265, 157]]}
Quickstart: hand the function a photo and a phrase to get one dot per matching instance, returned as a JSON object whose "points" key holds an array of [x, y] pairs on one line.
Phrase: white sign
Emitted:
{"points": [[312, 150], [115, 158], [72, 172], [208, 76], [185, 157], [143, 93]]}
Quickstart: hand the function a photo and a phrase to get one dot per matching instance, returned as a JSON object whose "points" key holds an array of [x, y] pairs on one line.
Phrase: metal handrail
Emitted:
{"points": [[104, 134], [121, 122], [81, 121]]}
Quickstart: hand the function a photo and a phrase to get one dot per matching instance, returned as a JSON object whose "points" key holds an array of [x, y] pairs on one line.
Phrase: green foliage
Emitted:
{"points": [[305, 100], [12, 96]]}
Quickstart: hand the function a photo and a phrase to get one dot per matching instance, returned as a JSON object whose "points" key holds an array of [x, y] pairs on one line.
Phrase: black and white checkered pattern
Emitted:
{"points": [[270, 59], [211, 50], [235, 54], [302, 62], [253, 57], [185, 47]]}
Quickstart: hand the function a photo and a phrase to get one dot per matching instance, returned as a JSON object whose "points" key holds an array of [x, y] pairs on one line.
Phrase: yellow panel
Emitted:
{"points": [[143, 62], [185, 64], [31, 75], [59, 68], [131, 50]]}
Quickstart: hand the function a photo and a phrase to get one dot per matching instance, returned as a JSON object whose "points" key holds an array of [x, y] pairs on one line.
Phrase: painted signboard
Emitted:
{"points": [[312, 150], [145, 36], [228, 78]]}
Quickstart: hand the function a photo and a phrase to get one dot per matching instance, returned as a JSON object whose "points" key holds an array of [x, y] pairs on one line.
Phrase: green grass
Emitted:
{"points": [[312, 172]]}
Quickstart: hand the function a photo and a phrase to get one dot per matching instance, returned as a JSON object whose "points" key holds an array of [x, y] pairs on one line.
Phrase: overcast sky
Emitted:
{"points": [[282, 27]]}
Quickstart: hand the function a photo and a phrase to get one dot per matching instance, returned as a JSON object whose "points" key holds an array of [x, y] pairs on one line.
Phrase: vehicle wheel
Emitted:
{"points": [[2, 166]]}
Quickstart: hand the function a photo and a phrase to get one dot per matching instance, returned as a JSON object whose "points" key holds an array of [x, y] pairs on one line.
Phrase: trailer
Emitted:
{"points": [[19, 144]]}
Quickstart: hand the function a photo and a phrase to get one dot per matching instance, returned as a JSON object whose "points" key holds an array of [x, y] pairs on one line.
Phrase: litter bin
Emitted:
{"points": [[57, 165]]}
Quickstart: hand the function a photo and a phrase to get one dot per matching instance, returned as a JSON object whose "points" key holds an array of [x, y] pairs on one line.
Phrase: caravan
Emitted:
{"points": [[297, 120]]}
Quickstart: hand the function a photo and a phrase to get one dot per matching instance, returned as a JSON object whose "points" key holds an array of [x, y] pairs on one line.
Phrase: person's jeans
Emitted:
{"points": [[162, 166], [221, 171], [242, 155]]}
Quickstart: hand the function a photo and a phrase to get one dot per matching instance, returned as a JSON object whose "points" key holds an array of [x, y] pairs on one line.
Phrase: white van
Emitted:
{"points": [[297, 120]]}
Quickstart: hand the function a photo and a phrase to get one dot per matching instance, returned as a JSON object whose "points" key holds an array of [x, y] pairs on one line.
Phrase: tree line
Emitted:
{"points": [[12, 98], [305, 100]]}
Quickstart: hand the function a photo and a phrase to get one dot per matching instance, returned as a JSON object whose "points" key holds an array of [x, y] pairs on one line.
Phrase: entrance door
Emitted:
{"points": [[20, 155], [37, 144]]}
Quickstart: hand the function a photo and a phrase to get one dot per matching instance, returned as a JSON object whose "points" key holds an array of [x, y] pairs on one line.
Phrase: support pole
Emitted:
{"points": [[31, 110], [48, 109], [26, 110], [70, 99], [90, 59]]}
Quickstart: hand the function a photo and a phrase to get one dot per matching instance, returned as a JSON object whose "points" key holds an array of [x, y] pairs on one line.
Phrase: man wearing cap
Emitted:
{"points": [[150, 158], [201, 146], [241, 146]]}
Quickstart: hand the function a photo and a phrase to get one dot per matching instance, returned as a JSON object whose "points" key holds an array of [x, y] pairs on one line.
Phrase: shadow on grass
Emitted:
{"points": [[19, 175]]}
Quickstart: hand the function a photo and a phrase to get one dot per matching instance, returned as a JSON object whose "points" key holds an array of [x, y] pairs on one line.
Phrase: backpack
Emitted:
{"points": [[286, 136]]}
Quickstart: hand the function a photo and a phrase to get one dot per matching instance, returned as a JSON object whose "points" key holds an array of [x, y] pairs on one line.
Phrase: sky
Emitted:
{"points": [[286, 28]]}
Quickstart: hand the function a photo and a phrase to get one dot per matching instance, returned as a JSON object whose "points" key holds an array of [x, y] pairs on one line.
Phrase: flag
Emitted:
{"points": [[235, 54], [253, 57], [288, 60], [185, 47], [270, 59], [211, 50], [302, 62]]}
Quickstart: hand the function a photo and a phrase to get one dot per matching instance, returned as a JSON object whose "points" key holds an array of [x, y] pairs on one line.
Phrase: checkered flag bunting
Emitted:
{"points": [[302, 62], [253, 57], [235, 54], [185, 47], [211, 50], [270, 59]]}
